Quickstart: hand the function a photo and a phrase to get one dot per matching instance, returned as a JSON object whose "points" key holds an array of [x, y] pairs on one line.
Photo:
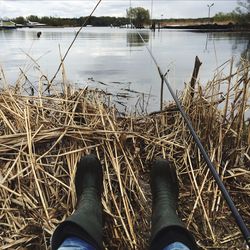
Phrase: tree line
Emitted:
{"points": [[139, 17], [240, 15], [73, 22]]}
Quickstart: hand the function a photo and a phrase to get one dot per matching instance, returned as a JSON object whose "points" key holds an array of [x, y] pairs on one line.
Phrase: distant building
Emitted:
{"points": [[127, 26], [7, 24], [34, 24]]}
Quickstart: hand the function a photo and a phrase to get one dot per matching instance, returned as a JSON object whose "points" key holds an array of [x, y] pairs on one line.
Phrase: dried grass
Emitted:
{"points": [[42, 138]]}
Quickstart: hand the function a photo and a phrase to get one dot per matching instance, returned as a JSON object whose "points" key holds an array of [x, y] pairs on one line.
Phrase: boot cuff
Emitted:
{"points": [[172, 234], [67, 229]]}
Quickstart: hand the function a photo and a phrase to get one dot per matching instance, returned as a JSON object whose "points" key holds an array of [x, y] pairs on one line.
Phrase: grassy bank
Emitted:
{"points": [[211, 27], [214, 23], [43, 136]]}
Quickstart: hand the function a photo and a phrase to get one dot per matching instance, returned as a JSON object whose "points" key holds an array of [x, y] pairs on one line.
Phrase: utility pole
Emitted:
{"points": [[130, 21], [152, 6], [209, 7]]}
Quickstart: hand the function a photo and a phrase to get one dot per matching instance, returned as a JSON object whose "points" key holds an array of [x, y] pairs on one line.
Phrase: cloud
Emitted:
{"points": [[69, 8]]}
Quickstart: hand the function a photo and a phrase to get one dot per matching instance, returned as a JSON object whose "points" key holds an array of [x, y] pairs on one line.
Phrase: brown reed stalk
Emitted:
{"points": [[43, 137]]}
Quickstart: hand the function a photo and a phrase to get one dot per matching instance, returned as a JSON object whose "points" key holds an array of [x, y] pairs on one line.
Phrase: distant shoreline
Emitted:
{"points": [[211, 27], [192, 27]]}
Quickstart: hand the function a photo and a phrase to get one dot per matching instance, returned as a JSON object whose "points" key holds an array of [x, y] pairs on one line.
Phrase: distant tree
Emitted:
{"points": [[226, 17], [241, 15], [19, 20], [33, 18], [139, 16], [244, 6], [243, 11]]}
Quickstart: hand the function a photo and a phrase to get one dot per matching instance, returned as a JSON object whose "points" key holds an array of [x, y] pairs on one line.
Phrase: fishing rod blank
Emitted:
{"points": [[241, 224]]}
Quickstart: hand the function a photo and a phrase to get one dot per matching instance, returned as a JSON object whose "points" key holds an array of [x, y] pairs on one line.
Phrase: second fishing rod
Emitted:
{"points": [[241, 224]]}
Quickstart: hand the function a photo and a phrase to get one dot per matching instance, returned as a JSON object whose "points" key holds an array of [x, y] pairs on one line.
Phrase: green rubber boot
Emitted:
{"points": [[86, 222], [166, 225]]}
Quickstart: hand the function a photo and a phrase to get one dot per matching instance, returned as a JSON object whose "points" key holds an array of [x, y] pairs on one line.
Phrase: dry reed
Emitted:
{"points": [[42, 138]]}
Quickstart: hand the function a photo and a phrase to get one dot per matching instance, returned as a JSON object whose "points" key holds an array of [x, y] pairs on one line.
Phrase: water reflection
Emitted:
{"points": [[246, 53], [109, 55], [240, 43], [134, 40], [206, 43]]}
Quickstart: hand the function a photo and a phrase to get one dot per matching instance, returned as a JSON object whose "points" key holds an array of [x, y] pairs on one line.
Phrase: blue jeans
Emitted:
{"points": [[176, 246], [74, 243]]}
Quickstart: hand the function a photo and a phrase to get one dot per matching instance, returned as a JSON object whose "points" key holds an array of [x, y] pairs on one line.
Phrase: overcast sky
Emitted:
{"points": [[69, 8]]}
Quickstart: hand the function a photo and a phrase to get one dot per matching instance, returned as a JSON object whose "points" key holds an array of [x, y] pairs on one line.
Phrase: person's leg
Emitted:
{"points": [[176, 246], [74, 243], [167, 229], [86, 222]]}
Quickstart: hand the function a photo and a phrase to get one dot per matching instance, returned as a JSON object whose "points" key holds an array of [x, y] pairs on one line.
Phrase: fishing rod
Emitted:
{"points": [[241, 224]]}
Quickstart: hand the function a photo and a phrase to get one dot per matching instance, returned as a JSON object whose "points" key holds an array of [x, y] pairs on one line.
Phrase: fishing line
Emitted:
{"points": [[70, 46], [241, 224]]}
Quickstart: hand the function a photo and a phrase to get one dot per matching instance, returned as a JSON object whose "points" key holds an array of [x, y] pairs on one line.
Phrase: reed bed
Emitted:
{"points": [[42, 137]]}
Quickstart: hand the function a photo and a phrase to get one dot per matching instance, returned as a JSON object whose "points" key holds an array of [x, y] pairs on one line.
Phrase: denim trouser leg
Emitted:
{"points": [[176, 246], [74, 243]]}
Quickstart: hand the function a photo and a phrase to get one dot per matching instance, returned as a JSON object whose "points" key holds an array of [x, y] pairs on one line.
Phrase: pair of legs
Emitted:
{"points": [[83, 229]]}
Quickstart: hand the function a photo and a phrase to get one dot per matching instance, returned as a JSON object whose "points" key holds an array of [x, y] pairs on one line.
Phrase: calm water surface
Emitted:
{"points": [[116, 59]]}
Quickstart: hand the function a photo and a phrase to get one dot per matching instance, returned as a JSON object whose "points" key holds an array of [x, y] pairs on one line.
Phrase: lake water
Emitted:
{"points": [[116, 59]]}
